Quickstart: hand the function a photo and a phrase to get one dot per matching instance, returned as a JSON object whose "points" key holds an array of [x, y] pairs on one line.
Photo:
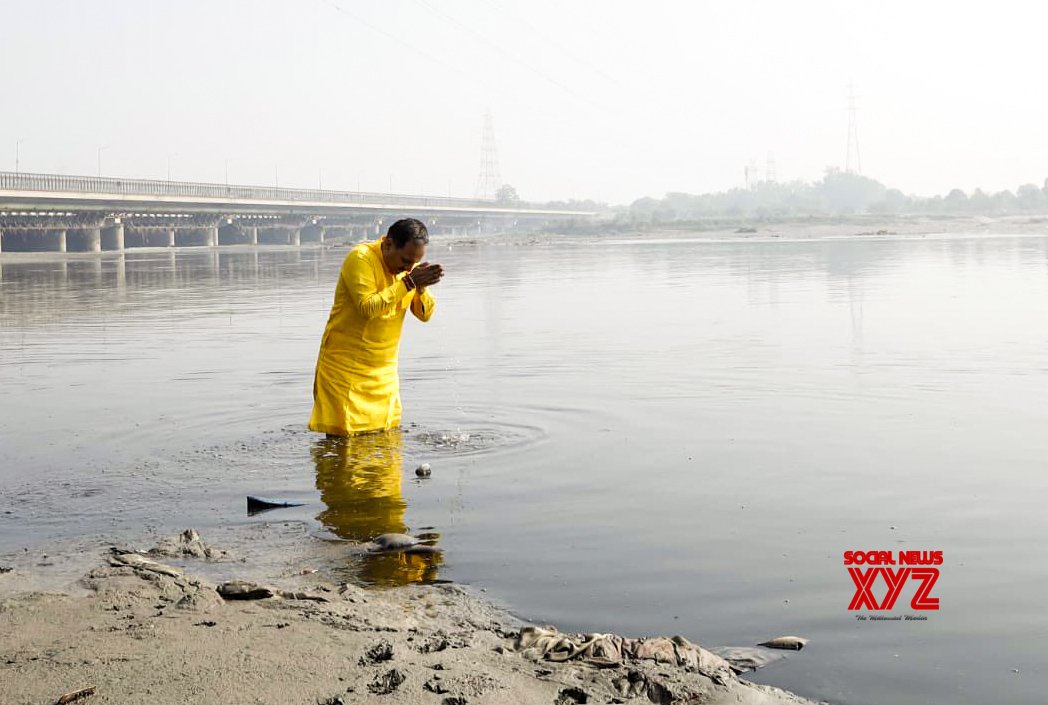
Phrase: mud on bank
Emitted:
{"points": [[137, 630]]}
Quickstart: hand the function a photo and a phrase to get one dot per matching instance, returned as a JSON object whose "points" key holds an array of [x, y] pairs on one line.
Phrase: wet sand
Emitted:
{"points": [[141, 633]]}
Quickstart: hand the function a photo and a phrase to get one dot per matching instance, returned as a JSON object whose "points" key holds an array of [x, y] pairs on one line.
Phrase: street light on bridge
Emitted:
{"points": [[103, 147]]}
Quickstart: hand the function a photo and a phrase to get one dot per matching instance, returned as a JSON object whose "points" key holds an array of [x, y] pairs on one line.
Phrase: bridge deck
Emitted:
{"points": [[19, 191]]}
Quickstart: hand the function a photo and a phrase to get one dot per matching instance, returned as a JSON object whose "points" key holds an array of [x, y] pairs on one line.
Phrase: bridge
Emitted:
{"points": [[57, 213]]}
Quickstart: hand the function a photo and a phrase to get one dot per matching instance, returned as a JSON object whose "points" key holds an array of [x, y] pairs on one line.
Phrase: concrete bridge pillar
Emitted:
{"points": [[60, 240], [113, 237], [212, 236], [171, 237], [93, 240], [1, 241], [294, 237], [377, 230], [253, 235]]}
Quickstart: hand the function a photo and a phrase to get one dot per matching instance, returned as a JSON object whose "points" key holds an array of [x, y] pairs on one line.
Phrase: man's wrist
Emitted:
{"points": [[409, 282]]}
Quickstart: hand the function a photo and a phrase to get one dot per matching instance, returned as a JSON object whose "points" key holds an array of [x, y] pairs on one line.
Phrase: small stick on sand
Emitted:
{"points": [[75, 695]]}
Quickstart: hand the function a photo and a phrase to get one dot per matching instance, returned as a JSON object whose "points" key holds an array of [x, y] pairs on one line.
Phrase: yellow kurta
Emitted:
{"points": [[356, 387]]}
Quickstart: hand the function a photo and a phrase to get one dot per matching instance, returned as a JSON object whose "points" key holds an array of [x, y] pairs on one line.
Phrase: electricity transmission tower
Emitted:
{"points": [[488, 180], [752, 175], [852, 161]]}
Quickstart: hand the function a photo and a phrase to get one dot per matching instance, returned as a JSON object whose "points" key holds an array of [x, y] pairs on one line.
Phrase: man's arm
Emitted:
{"points": [[420, 279], [363, 290], [422, 305]]}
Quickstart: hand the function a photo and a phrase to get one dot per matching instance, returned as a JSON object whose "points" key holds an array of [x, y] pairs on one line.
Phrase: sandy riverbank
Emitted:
{"points": [[139, 633]]}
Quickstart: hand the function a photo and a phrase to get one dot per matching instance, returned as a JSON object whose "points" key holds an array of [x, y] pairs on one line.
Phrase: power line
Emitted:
{"points": [[489, 180], [512, 57], [520, 20], [398, 40], [852, 164]]}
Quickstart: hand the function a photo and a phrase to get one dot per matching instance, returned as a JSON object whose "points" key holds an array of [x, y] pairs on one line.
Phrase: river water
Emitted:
{"points": [[646, 435]]}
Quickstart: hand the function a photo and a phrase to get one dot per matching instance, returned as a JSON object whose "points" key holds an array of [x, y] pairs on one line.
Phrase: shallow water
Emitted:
{"points": [[648, 436]]}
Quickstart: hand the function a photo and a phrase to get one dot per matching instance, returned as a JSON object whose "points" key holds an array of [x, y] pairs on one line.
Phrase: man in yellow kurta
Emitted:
{"points": [[356, 387]]}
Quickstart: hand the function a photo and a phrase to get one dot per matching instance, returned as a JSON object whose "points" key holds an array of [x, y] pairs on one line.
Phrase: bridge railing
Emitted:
{"points": [[109, 186]]}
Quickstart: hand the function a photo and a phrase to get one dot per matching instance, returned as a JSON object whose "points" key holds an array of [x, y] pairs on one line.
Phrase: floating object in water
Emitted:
{"points": [[257, 505], [423, 470], [747, 658], [392, 542], [397, 543], [790, 643]]}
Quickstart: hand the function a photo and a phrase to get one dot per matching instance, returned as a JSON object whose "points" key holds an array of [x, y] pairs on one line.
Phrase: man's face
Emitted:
{"points": [[405, 258]]}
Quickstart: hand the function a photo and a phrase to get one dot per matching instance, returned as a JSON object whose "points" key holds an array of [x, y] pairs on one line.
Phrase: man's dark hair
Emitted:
{"points": [[407, 229]]}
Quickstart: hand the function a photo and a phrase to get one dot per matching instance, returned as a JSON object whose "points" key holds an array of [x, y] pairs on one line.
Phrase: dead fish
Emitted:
{"points": [[391, 542], [422, 548], [243, 590], [790, 643], [298, 595], [395, 543]]}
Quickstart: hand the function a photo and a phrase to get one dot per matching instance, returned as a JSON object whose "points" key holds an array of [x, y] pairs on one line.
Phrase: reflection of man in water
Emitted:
{"points": [[359, 480], [356, 387]]}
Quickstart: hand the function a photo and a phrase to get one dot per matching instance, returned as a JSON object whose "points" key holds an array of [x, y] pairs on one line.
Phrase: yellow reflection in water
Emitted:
{"points": [[359, 479]]}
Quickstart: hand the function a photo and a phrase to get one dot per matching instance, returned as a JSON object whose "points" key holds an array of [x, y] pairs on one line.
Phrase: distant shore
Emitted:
{"points": [[814, 226]]}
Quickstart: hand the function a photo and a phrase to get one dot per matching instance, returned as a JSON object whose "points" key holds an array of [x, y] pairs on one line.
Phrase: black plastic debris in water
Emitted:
{"points": [[257, 505]]}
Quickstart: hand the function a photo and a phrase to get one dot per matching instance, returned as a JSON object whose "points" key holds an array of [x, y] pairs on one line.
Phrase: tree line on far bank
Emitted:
{"points": [[838, 193]]}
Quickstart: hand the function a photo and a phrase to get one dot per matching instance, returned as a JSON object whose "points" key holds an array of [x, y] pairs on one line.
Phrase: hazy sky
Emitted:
{"points": [[609, 100]]}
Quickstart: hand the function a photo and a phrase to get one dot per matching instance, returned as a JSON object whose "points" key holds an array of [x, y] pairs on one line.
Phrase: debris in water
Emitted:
{"points": [[423, 470], [257, 505], [790, 643], [747, 658]]}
